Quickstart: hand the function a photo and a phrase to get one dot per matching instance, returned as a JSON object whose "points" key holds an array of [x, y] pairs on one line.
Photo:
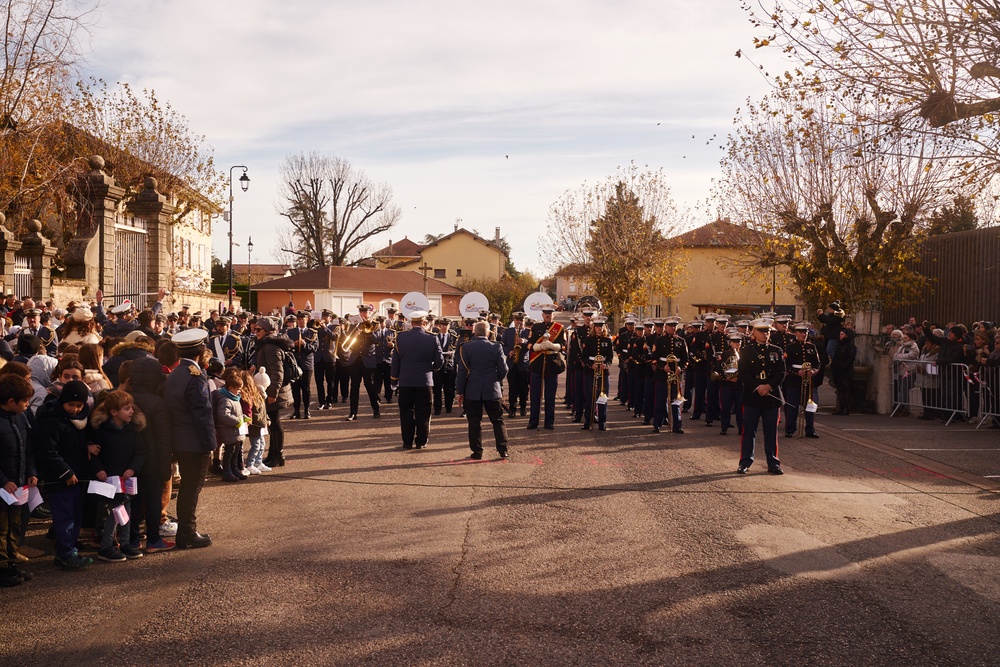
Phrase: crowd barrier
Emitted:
{"points": [[988, 378], [942, 392]]}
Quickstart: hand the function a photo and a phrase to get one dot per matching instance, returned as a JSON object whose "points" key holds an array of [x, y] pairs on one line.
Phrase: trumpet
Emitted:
{"points": [[806, 403]]}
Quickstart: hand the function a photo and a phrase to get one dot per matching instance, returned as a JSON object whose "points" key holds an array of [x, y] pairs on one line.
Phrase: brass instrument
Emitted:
{"points": [[673, 380], [730, 366], [365, 327], [806, 403], [597, 390]]}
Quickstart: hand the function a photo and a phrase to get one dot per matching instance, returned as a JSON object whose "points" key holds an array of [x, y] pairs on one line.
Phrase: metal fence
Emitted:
{"points": [[938, 392], [987, 381], [23, 277], [131, 259]]}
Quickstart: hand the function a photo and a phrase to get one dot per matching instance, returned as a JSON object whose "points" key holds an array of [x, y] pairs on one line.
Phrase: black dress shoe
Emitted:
{"points": [[407, 446], [656, 429], [523, 412], [603, 427], [576, 420], [476, 456], [776, 470], [503, 454], [549, 428], [789, 435], [679, 430], [195, 541], [814, 436], [377, 415], [295, 415], [423, 446], [351, 417], [532, 427], [274, 461], [647, 422], [306, 415], [742, 470]]}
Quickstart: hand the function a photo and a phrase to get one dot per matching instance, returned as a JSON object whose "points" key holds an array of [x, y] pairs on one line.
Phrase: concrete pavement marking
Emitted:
{"points": [[913, 459]]}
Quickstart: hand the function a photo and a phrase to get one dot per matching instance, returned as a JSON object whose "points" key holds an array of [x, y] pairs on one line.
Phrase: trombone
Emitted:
{"points": [[806, 403], [673, 380], [365, 327], [597, 391]]}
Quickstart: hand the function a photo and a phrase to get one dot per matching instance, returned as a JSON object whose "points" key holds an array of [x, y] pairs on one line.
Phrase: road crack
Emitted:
{"points": [[460, 565]]}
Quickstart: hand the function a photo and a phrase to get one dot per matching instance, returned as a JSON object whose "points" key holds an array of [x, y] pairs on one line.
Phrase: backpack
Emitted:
{"points": [[290, 369]]}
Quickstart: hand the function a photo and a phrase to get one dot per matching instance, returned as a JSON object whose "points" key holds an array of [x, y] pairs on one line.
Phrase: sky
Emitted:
{"points": [[486, 114]]}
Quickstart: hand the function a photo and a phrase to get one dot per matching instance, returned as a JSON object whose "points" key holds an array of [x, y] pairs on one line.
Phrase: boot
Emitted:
{"points": [[227, 473], [237, 461], [217, 468]]}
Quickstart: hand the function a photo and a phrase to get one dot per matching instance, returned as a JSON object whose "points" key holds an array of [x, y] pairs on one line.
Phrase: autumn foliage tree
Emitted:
{"points": [[838, 194], [617, 231]]}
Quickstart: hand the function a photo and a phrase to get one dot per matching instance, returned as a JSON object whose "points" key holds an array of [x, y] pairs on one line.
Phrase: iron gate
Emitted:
{"points": [[23, 274], [131, 260]]}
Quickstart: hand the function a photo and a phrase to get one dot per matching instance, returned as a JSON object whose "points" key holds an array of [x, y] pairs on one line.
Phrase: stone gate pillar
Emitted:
{"points": [[8, 248], [40, 251], [87, 258]]}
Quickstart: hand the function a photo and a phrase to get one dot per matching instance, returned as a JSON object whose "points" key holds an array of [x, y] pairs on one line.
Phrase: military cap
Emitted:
{"points": [[672, 321], [743, 323], [589, 312], [303, 314], [801, 326], [783, 319], [160, 317], [658, 323], [736, 336], [391, 310], [629, 320], [528, 321], [518, 315], [761, 323], [32, 312], [722, 318], [172, 317], [469, 321], [768, 313], [697, 324], [224, 319], [197, 313], [123, 307], [710, 317], [640, 325], [363, 308], [325, 312], [648, 322], [548, 309], [418, 315], [185, 306], [598, 321], [190, 337], [243, 315]]}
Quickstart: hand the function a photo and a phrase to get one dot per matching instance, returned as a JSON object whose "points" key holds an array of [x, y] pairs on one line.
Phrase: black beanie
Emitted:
{"points": [[74, 391]]}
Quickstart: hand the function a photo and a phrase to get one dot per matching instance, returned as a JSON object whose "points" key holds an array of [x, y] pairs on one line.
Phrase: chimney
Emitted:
{"points": [[456, 225], [496, 235]]}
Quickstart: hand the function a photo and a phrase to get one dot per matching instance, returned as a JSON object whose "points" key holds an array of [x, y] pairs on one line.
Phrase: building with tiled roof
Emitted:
{"points": [[719, 275], [460, 254], [342, 288]]}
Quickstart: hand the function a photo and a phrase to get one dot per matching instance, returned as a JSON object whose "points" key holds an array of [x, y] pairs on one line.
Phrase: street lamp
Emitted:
{"points": [[249, 250], [244, 183]]}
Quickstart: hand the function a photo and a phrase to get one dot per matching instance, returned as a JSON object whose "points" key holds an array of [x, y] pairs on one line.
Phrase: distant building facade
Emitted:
{"points": [[460, 254]]}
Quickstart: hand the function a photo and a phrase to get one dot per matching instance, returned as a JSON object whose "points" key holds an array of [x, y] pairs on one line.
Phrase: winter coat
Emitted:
{"points": [[951, 351], [146, 385], [96, 381], [907, 351], [119, 354], [228, 417], [60, 443], [41, 366], [17, 460], [270, 354], [844, 356], [121, 448]]}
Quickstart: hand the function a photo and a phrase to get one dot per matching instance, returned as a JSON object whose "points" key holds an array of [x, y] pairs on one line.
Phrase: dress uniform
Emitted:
{"points": [[444, 379], [123, 324], [636, 352], [691, 339], [761, 370], [305, 341], [325, 359], [225, 345], [356, 353], [546, 364], [515, 347], [717, 341], [670, 358], [798, 354], [625, 335], [596, 344], [701, 354], [576, 363], [780, 337], [187, 395], [385, 342], [416, 356], [653, 329], [481, 369], [730, 391]]}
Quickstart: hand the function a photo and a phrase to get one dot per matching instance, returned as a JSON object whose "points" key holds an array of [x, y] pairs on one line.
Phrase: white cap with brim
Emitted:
{"points": [[761, 323], [417, 315], [190, 337], [124, 307]]}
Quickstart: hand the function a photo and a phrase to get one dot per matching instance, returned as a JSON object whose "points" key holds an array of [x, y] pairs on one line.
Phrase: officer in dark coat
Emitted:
{"points": [[761, 370], [625, 334], [122, 324], [356, 354], [325, 359], [414, 360], [188, 397], [546, 363], [801, 362], [481, 370]]}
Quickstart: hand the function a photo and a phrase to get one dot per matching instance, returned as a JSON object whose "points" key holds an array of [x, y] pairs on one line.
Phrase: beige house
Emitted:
{"points": [[460, 254], [718, 277]]}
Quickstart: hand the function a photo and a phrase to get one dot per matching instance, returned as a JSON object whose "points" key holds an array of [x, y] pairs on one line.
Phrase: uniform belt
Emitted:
{"points": [[796, 365]]}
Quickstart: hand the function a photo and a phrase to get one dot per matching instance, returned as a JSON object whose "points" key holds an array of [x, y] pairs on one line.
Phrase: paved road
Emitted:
{"points": [[621, 548]]}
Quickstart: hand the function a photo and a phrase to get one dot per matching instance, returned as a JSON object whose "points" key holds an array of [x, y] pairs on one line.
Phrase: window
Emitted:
{"points": [[439, 273], [458, 273]]}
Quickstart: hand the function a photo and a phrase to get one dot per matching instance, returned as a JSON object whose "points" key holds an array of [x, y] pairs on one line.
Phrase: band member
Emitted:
{"points": [[691, 340], [414, 360], [546, 364], [717, 340], [781, 337], [325, 361], [444, 379], [802, 363], [481, 370], [636, 352], [625, 335], [670, 358], [761, 370], [357, 344], [575, 363], [597, 353], [386, 342], [730, 391], [224, 345], [515, 347], [654, 329], [305, 342]]}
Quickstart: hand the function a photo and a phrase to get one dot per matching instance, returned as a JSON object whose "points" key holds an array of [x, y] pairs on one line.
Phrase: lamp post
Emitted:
{"points": [[249, 250], [244, 183]]}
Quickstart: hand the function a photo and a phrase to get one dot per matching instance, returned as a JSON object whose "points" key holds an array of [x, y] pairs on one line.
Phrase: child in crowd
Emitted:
{"points": [[116, 425], [230, 426], [62, 449], [254, 407], [17, 470]]}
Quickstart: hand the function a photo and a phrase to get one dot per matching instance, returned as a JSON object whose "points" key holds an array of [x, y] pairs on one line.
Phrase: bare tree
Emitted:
{"points": [[333, 209]]}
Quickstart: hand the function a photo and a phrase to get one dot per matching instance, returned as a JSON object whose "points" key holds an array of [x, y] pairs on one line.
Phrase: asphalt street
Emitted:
{"points": [[878, 546]]}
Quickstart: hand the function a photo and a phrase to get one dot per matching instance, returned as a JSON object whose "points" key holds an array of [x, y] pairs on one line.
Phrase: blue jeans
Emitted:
{"points": [[256, 454], [67, 515]]}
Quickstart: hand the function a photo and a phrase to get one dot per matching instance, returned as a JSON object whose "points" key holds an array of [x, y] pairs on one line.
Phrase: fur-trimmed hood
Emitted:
{"points": [[101, 415], [274, 339], [120, 348]]}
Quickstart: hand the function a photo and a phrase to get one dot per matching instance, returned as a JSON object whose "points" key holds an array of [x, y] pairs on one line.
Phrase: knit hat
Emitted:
{"points": [[261, 379], [74, 391]]}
